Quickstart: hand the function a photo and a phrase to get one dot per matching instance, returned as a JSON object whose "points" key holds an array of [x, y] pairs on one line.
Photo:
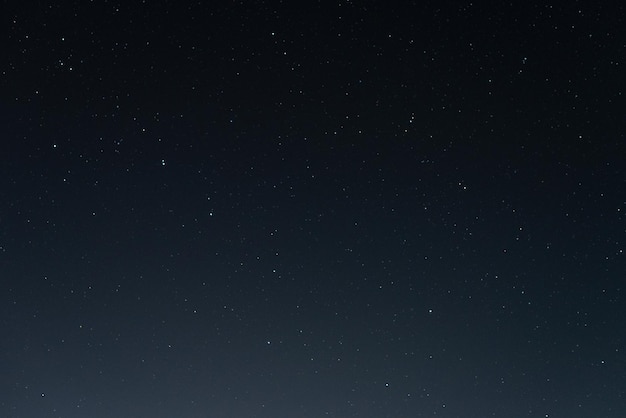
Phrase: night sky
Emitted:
{"points": [[312, 209]]}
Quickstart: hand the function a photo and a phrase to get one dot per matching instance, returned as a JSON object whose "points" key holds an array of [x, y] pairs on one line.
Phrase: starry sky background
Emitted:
{"points": [[307, 209]]}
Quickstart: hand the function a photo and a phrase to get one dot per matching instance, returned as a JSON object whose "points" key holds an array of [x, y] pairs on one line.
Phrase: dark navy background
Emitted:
{"points": [[344, 209]]}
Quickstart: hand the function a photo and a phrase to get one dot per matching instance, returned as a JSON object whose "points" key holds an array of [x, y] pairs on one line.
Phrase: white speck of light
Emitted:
{"points": [[163, 162]]}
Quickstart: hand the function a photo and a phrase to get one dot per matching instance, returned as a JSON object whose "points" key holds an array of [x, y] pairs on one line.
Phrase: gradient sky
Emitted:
{"points": [[312, 209]]}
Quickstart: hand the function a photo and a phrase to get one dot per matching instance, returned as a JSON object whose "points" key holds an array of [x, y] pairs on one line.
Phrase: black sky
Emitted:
{"points": [[284, 209]]}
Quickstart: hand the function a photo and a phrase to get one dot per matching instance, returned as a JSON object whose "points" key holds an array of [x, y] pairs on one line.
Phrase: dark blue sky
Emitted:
{"points": [[342, 209]]}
